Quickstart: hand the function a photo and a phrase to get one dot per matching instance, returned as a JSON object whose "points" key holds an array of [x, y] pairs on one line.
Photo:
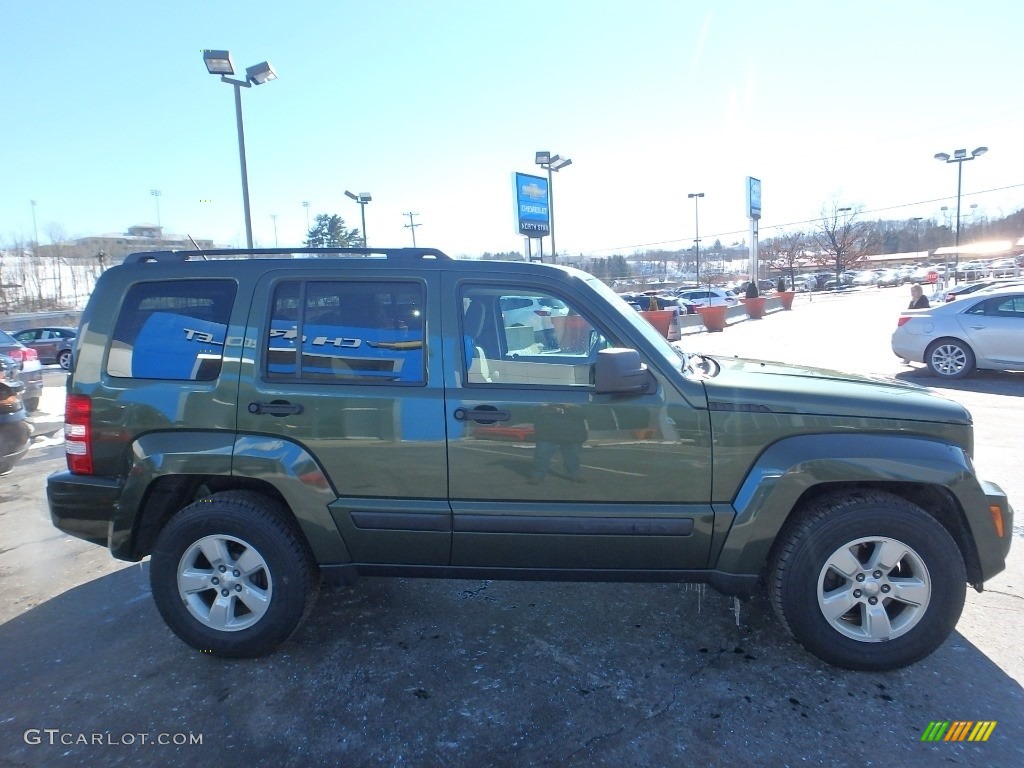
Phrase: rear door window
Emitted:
{"points": [[351, 331]]}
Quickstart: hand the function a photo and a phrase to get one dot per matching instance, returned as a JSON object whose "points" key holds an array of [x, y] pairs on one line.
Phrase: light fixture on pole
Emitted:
{"points": [[551, 163], [363, 198], [219, 63], [305, 204], [696, 229], [959, 157], [156, 193]]}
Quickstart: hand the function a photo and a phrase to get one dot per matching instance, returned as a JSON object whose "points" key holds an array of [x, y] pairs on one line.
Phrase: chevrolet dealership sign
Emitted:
{"points": [[532, 208]]}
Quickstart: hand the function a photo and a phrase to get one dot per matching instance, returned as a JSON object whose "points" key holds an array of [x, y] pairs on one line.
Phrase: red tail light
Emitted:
{"points": [[78, 434], [30, 354], [903, 321]]}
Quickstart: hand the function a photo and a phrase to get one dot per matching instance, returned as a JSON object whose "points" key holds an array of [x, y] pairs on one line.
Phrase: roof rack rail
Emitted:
{"points": [[398, 254]]}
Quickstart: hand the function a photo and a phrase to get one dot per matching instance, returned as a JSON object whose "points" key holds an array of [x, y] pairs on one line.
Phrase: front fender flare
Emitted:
{"points": [[790, 467]]}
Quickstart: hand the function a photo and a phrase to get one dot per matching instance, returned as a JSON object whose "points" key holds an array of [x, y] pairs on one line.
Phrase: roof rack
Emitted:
{"points": [[392, 254]]}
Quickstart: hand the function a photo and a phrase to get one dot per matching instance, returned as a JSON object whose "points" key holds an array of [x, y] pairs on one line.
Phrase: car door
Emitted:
{"points": [[37, 339], [343, 369], [546, 473], [995, 327]]}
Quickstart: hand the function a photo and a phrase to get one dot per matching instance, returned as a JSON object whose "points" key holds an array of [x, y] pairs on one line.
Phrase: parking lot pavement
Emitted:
{"points": [[488, 673]]}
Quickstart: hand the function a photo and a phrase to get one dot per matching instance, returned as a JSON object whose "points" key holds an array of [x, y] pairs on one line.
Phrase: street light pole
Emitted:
{"points": [[551, 163], [35, 229], [219, 63], [696, 227], [959, 157], [363, 198], [156, 194], [305, 204], [273, 218], [917, 235]]}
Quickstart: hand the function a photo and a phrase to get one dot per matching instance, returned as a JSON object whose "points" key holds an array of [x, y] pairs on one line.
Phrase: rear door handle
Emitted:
{"points": [[275, 408], [484, 414]]}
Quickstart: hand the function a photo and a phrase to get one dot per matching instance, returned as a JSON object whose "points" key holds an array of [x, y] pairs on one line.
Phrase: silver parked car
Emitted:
{"points": [[982, 330]]}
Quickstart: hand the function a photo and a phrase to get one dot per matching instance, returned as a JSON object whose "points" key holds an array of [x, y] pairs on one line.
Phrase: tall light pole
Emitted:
{"points": [[696, 228], [35, 229], [959, 157], [156, 194], [273, 217], [305, 204], [551, 163], [363, 198], [219, 63], [917, 234]]}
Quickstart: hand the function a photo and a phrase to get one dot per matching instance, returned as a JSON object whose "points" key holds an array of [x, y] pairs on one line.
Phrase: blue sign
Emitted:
{"points": [[532, 208]]}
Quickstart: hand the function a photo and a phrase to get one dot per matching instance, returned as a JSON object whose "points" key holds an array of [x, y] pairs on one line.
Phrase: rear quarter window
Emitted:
{"points": [[171, 330]]}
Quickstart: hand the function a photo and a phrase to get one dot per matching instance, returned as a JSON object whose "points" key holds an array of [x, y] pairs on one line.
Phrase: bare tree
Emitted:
{"points": [[840, 238]]}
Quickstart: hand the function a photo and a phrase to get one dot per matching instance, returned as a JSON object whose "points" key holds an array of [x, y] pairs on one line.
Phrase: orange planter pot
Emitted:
{"points": [[755, 307], [787, 299], [713, 317], [659, 318]]}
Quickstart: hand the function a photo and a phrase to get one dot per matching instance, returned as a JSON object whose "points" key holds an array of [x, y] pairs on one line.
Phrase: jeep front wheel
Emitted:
{"points": [[232, 576], [868, 581]]}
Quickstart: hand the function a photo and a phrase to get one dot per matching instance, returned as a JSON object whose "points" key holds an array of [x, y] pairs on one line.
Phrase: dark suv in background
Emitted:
{"points": [[253, 424]]}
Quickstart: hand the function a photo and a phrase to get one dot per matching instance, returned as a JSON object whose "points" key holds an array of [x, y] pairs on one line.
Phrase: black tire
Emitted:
{"points": [[949, 358], [918, 599], [227, 611], [64, 359], [31, 404]]}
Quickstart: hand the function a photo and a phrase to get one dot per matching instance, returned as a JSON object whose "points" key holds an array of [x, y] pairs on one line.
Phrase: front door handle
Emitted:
{"points": [[275, 408], [483, 414]]}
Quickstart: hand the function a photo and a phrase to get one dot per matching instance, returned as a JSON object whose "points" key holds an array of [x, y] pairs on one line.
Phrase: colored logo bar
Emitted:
{"points": [[958, 730]]}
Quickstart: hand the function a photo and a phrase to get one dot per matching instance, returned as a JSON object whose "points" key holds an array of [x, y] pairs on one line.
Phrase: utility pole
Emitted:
{"points": [[273, 217], [412, 225]]}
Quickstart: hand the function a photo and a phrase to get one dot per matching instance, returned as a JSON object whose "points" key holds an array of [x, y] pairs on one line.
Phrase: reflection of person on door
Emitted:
{"points": [[558, 427]]}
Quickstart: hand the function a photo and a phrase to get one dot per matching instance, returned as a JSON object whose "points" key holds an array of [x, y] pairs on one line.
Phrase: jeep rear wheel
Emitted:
{"points": [[868, 581], [231, 574]]}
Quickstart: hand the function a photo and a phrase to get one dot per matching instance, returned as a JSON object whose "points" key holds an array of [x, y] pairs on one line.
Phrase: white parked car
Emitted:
{"points": [[536, 312], [709, 297], [980, 330], [1004, 268]]}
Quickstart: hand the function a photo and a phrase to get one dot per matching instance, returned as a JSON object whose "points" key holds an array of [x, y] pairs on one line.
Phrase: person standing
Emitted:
{"points": [[917, 298]]}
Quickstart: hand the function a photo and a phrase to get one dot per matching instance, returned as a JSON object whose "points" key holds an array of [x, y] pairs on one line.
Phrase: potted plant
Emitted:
{"points": [[754, 302], [785, 295]]}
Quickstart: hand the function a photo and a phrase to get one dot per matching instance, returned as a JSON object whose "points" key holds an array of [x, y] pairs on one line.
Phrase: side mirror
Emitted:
{"points": [[620, 372]]}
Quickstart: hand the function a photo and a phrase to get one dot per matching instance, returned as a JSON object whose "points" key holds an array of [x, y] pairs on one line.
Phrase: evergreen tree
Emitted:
{"points": [[328, 231]]}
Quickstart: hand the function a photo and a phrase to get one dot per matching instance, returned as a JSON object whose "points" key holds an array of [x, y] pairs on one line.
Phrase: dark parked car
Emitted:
{"points": [[31, 374], [15, 430], [53, 344]]}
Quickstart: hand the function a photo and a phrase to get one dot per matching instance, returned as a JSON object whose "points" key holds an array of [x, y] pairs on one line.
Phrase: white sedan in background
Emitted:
{"points": [[982, 330], [709, 297]]}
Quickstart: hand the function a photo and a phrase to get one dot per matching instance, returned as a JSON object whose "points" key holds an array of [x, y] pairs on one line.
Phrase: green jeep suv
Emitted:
{"points": [[254, 421]]}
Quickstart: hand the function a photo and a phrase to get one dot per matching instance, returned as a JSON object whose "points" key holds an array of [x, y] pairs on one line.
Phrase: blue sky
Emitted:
{"points": [[431, 106]]}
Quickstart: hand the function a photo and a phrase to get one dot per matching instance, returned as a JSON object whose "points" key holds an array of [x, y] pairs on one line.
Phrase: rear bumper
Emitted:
{"points": [[83, 506]]}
